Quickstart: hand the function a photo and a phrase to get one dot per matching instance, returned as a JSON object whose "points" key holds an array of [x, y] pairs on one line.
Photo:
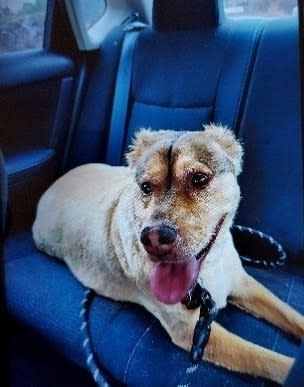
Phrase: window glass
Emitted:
{"points": [[92, 20], [21, 24], [260, 8], [93, 12]]}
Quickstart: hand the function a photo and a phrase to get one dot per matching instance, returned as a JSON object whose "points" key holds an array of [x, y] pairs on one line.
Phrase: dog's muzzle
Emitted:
{"points": [[171, 278], [160, 241]]}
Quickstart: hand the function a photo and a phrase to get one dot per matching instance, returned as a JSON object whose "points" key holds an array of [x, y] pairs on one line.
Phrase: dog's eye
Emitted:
{"points": [[200, 180], [146, 188]]}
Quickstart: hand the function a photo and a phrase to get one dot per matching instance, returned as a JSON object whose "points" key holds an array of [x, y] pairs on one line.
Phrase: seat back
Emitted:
{"points": [[272, 181], [186, 73], [189, 70]]}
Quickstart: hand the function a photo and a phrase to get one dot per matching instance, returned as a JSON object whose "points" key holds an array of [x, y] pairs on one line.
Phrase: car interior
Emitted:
{"points": [[168, 65]]}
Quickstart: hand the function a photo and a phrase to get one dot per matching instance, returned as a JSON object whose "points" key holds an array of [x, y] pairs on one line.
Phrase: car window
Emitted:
{"points": [[93, 13], [21, 24], [260, 8], [92, 22]]}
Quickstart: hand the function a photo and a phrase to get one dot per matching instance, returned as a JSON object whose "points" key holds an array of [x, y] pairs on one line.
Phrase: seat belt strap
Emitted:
{"points": [[122, 96]]}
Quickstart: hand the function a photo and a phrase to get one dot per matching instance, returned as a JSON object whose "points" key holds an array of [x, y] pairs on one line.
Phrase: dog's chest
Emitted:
{"points": [[218, 278]]}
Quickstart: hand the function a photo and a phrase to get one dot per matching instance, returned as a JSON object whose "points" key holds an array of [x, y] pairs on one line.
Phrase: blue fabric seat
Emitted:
{"points": [[129, 343], [184, 79], [184, 75], [272, 182]]}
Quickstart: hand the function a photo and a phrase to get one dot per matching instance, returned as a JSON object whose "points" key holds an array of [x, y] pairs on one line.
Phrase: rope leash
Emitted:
{"points": [[253, 246], [87, 343], [246, 240]]}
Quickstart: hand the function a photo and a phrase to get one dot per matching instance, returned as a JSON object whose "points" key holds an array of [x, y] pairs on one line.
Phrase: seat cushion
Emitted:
{"points": [[128, 341]]}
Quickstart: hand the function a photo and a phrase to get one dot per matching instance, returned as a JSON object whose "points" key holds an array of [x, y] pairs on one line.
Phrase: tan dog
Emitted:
{"points": [[149, 232]]}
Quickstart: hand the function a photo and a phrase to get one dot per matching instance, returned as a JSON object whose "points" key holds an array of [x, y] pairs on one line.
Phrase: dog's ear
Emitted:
{"points": [[228, 143], [144, 139]]}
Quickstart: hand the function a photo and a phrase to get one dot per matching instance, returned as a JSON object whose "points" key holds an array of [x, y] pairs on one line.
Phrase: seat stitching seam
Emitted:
{"points": [[135, 348]]}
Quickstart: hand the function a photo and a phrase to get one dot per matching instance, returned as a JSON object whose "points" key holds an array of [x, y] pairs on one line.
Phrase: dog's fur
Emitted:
{"points": [[94, 216]]}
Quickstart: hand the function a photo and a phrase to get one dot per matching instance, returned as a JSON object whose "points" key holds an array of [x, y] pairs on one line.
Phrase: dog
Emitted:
{"points": [[149, 232]]}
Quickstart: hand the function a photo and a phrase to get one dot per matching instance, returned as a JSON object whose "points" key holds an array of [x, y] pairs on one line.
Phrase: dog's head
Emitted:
{"points": [[186, 195]]}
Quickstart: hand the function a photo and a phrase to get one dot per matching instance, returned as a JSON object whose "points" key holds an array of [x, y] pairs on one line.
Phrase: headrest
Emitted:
{"points": [[176, 15]]}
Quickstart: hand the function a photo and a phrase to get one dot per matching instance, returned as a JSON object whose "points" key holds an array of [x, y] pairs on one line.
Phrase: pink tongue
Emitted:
{"points": [[170, 282]]}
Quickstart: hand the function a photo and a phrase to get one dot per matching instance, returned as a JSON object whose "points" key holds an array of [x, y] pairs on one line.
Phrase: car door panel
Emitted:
{"points": [[36, 97]]}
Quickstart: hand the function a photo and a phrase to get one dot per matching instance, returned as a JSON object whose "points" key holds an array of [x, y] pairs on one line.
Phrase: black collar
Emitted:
{"points": [[193, 297], [200, 297]]}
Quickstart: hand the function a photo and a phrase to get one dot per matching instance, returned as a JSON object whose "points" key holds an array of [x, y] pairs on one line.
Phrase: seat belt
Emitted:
{"points": [[122, 93]]}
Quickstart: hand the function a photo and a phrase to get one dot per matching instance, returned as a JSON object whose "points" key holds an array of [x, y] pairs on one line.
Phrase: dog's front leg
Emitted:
{"points": [[237, 354], [255, 298], [224, 348]]}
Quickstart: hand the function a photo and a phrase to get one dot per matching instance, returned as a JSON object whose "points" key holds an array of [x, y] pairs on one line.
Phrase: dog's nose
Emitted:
{"points": [[158, 240]]}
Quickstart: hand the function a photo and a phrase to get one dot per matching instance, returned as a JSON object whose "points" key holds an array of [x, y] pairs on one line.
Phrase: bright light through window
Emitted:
{"points": [[260, 8], [92, 11]]}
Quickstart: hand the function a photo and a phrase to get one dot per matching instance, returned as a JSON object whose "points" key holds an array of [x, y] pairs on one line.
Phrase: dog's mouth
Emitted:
{"points": [[205, 250], [171, 281]]}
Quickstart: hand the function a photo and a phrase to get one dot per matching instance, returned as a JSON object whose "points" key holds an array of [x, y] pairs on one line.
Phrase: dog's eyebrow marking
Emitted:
{"points": [[165, 161], [170, 168]]}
